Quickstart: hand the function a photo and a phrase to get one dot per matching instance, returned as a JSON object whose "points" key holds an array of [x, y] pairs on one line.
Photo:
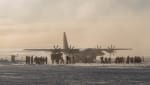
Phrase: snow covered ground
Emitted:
{"points": [[75, 74], [72, 75], [113, 65]]}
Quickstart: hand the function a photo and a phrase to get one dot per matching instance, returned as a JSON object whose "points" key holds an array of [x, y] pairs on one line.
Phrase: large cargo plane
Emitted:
{"points": [[81, 55]]}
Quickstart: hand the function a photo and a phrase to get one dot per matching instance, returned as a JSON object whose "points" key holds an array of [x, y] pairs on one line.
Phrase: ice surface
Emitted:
{"points": [[72, 75]]}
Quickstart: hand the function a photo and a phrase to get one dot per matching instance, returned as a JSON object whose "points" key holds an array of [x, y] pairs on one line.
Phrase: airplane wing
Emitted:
{"points": [[76, 50], [52, 50], [105, 49], [40, 49], [112, 50], [116, 49], [109, 49]]}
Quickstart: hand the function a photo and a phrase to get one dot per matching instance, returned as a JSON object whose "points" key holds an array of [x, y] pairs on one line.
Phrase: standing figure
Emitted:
{"points": [[109, 60], [46, 60], [31, 59], [102, 61], [52, 57]]}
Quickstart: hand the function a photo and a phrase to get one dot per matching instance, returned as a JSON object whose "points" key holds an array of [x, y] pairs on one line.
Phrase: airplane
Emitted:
{"points": [[81, 55]]}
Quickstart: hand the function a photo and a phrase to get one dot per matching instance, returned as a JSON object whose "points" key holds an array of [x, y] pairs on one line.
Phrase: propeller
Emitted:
{"points": [[111, 50], [57, 48], [71, 49], [99, 47], [54, 47], [111, 47]]}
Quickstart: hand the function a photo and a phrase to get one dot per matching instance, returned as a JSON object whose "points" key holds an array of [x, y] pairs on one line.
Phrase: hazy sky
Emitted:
{"points": [[41, 23]]}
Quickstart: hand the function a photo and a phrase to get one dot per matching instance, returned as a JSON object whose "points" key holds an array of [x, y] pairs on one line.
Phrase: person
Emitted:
{"points": [[52, 57], [106, 61], [67, 59], [132, 59], [73, 59], [143, 59], [46, 60], [62, 60], [13, 58], [35, 59], [116, 60], [26, 59], [123, 60], [109, 60], [102, 61], [31, 59], [57, 58], [42, 60], [128, 59]]}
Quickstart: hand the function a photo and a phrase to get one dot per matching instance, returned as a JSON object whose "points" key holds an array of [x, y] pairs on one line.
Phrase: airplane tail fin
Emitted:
{"points": [[65, 42]]}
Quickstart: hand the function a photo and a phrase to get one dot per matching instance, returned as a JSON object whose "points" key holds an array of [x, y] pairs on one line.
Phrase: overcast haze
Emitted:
{"points": [[41, 23]]}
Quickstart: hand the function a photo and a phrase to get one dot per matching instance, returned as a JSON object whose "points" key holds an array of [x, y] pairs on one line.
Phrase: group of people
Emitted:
{"points": [[105, 60], [122, 60], [135, 59], [57, 57], [36, 60], [70, 60], [128, 60]]}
